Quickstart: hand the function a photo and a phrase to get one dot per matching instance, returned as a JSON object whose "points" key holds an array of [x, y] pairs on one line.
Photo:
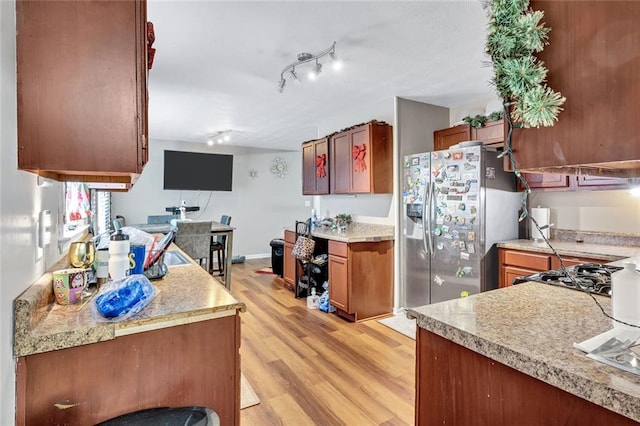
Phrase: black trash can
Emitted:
{"points": [[277, 256], [165, 416]]}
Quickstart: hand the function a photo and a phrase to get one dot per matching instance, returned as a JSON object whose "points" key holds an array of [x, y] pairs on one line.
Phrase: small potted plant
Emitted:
{"points": [[342, 221]]}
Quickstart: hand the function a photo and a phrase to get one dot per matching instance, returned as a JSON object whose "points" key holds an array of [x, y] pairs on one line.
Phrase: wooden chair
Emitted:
{"points": [[194, 238], [218, 245]]}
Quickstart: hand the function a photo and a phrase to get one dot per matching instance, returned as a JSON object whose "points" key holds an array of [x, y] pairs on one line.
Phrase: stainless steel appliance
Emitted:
{"points": [[457, 204], [589, 277]]}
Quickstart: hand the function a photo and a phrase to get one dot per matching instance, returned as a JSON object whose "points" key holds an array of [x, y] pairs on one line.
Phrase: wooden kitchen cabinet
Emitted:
{"points": [[444, 138], [361, 278], [547, 181], [594, 71], [315, 167], [519, 263], [196, 364], [361, 159], [289, 262], [82, 89], [491, 133]]}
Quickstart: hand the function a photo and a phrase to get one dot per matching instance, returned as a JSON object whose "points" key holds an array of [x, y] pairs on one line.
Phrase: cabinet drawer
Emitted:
{"points": [[337, 248], [538, 262], [571, 261], [289, 236]]}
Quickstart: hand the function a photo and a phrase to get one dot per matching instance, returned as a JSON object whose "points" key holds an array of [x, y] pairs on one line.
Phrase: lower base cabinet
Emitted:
{"points": [[361, 278], [196, 364], [457, 386]]}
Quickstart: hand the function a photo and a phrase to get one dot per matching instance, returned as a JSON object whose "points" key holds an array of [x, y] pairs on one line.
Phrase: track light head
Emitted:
{"points": [[315, 71]]}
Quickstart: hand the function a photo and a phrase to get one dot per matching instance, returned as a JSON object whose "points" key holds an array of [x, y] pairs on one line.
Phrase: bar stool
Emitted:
{"points": [[219, 246]]}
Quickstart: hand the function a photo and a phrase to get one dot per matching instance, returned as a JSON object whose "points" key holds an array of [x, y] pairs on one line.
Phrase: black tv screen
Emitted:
{"points": [[197, 171]]}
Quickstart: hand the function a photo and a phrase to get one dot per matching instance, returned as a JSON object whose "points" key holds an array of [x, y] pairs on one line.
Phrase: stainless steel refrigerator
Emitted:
{"points": [[457, 204]]}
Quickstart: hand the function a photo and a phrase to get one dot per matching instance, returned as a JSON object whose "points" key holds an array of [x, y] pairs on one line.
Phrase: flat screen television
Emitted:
{"points": [[197, 171]]}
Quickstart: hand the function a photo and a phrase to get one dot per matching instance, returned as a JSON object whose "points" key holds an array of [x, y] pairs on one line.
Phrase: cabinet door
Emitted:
{"points": [[322, 176], [289, 265], [599, 182], [509, 273], [308, 169], [361, 164], [340, 164], [547, 181], [338, 284], [443, 139], [82, 98], [490, 134]]}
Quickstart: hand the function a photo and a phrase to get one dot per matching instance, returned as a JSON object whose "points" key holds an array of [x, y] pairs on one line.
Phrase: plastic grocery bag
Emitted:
{"points": [[121, 299]]}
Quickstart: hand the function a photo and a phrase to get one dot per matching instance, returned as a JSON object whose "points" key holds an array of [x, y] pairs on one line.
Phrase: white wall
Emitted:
{"points": [[259, 207], [20, 202]]}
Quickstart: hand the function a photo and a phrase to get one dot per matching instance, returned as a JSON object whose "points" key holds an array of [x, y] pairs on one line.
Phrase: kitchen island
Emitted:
{"points": [[181, 350], [505, 357]]}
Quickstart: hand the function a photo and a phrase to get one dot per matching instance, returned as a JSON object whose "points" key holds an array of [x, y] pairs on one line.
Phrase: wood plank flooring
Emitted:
{"points": [[313, 368]]}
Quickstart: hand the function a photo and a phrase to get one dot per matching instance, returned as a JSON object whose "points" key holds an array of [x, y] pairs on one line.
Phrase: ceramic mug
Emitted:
{"points": [[68, 285]]}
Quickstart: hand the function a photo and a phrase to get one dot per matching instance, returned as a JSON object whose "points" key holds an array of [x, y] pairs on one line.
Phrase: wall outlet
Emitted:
{"points": [[307, 203]]}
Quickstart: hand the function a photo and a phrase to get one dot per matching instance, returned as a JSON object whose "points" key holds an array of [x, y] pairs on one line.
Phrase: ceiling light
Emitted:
{"points": [[219, 137], [315, 71], [336, 63], [303, 58]]}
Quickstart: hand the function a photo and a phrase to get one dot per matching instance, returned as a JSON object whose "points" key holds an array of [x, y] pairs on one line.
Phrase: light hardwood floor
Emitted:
{"points": [[313, 368]]}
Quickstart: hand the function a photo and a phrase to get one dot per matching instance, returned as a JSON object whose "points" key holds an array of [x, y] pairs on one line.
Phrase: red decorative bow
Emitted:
{"points": [[358, 155], [151, 37], [321, 160]]}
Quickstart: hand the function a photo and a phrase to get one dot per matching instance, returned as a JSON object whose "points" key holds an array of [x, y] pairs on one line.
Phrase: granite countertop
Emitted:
{"points": [[531, 327], [357, 232], [573, 248], [186, 294]]}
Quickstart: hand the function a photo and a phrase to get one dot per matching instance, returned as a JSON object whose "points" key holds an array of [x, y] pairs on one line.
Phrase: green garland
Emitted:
{"points": [[515, 34]]}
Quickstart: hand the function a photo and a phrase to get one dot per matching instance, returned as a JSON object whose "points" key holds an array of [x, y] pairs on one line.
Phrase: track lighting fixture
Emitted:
{"points": [[304, 58], [219, 137]]}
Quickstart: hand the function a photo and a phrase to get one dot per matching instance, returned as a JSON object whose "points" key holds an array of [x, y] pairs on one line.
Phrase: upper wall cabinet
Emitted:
{"points": [[443, 139], [593, 61], [315, 167], [82, 89], [361, 159], [491, 133]]}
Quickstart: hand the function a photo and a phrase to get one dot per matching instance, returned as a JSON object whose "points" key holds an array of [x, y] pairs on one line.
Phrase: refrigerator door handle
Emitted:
{"points": [[432, 208], [426, 227]]}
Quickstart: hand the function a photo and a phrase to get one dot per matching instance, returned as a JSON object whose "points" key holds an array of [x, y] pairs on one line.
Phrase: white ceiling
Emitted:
{"points": [[218, 64]]}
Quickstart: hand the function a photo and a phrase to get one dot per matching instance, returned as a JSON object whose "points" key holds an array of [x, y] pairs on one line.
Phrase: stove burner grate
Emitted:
{"points": [[588, 277]]}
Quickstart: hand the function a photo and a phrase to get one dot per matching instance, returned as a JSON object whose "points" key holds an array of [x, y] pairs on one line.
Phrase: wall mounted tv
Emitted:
{"points": [[197, 171]]}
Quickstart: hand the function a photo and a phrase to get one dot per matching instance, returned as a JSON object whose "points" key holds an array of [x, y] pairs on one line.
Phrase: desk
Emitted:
{"points": [[217, 228]]}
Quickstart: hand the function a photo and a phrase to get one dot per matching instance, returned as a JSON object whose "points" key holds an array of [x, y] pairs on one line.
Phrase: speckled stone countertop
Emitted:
{"points": [[531, 327], [186, 294], [572, 248], [357, 232]]}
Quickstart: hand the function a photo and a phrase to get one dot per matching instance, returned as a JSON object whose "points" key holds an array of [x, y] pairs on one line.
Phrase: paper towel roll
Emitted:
{"points": [[542, 216]]}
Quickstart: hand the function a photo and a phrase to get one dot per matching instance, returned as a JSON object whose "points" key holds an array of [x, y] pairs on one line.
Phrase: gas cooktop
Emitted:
{"points": [[588, 277]]}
